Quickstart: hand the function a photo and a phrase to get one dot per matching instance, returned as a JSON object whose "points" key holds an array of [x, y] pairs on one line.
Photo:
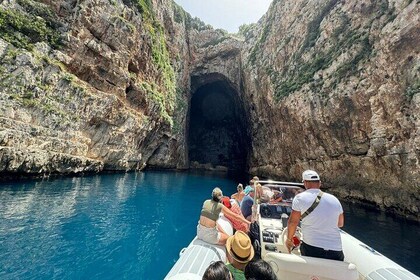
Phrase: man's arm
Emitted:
{"points": [[291, 228], [341, 220]]}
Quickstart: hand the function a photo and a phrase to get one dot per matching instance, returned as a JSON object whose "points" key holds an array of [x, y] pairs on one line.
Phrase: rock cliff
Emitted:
{"points": [[90, 85], [335, 88], [93, 85]]}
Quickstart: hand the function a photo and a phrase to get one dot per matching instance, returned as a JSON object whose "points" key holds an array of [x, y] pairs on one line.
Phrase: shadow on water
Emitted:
{"points": [[396, 238]]}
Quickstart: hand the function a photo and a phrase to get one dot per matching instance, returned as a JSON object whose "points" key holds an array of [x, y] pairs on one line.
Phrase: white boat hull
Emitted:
{"points": [[361, 262], [370, 263], [291, 266], [194, 260]]}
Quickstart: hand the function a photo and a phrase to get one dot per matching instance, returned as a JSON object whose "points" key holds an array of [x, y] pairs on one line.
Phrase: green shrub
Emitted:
{"points": [[179, 13], [125, 22], [23, 30], [306, 70], [68, 77], [412, 90], [196, 23], [40, 10], [313, 31], [159, 100], [163, 96], [215, 41], [245, 30], [144, 7]]}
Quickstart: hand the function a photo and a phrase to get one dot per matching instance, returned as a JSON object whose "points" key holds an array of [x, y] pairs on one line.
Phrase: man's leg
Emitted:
{"points": [[311, 251], [335, 255]]}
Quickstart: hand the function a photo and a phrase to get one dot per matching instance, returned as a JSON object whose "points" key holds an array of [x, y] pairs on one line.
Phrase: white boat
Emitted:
{"points": [[361, 261], [195, 259]]}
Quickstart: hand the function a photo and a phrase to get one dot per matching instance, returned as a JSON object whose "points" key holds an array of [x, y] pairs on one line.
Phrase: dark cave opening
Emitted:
{"points": [[217, 128]]}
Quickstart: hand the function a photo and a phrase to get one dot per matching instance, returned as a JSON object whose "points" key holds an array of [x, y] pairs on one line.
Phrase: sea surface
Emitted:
{"points": [[132, 226]]}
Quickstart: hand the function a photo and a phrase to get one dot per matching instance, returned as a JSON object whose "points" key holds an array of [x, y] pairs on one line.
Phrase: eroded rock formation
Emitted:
{"points": [[332, 85], [335, 87]]}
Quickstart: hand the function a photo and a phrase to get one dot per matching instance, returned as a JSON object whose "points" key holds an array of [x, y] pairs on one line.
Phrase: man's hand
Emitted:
{"points": [[289, 245], [291, 228]]}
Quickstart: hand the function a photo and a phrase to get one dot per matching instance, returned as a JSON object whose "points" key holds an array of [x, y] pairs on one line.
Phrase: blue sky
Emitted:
{"points": [[226, 14]]}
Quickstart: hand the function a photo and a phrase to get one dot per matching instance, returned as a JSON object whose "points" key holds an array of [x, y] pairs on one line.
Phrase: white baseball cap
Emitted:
{"points": [[310, 175]]}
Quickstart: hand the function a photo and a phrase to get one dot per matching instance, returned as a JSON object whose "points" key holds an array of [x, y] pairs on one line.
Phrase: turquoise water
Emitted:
{"points": [[132, 226]]}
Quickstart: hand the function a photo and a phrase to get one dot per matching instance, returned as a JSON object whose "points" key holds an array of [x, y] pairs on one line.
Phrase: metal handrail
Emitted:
{"points": [[279, 183]]}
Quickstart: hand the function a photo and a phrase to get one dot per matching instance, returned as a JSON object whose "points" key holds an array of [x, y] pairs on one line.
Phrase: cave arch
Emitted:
{"points": [[218, 131]]}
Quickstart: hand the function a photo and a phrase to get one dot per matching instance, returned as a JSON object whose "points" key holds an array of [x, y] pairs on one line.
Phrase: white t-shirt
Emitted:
{"points": [[320, 228]]}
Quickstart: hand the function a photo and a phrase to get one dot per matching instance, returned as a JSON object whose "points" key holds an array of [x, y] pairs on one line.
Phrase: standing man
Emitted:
{"points": [[322, 216]]}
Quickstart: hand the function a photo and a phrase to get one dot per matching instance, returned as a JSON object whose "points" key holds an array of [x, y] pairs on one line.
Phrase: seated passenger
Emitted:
{"points": [[217, 271], [247, 203], [234, 207], [240, 194], [253, 181], [207, 228], [277, 197], [265, 194], [259, 270], [239, 252]]}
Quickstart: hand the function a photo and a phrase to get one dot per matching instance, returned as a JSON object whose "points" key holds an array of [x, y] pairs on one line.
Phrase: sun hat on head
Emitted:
{"points": [[217, 193], [226, 202], [239, 247], [248, 189], [310, 175]]}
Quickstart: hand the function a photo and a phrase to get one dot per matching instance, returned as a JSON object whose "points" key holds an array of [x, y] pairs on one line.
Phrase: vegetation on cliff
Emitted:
{"points": [[162, 96], [315, 55], [182, 17], [34, 23]]}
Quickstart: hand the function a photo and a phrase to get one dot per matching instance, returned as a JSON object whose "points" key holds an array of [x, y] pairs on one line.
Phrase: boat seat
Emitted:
{"points": [[290, 266], [195, 259]]}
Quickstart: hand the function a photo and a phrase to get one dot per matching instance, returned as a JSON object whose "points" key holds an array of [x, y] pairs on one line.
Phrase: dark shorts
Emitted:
{"points": [[316, 252]]}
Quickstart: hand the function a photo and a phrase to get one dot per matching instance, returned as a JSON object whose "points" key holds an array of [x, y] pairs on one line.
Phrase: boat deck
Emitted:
{"points": [[195, 259]]}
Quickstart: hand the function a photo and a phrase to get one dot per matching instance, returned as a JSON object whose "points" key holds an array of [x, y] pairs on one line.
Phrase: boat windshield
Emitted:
{"points": [[279, 193]]}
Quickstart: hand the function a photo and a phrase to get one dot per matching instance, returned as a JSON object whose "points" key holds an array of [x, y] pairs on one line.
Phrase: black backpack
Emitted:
{"points": [[254, 235]]}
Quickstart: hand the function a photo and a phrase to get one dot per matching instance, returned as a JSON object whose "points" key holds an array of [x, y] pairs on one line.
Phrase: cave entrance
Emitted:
{"points": [[218, 128]]}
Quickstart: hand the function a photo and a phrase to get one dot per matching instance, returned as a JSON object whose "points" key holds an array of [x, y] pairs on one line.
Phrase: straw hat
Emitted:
{"points": [[239, 247]]}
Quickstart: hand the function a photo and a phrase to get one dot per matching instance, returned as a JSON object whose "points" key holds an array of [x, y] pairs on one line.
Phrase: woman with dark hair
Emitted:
{"points": [[207, 228], [217, 271], [259, 270]]}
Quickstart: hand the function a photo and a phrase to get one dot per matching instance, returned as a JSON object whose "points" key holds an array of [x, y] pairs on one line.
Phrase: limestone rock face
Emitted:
{"points": [[335, 88], [103, 98]]}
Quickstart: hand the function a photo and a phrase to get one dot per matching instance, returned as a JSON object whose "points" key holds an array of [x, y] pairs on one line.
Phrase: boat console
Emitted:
{"points": [[272, 215]]}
